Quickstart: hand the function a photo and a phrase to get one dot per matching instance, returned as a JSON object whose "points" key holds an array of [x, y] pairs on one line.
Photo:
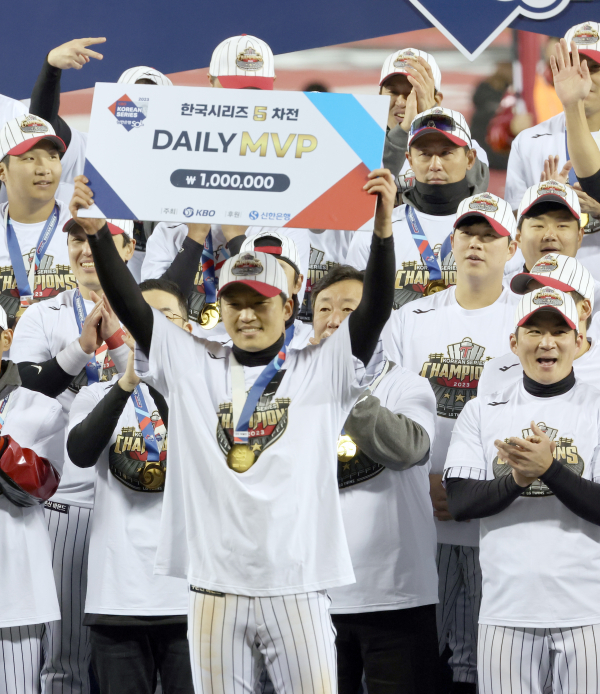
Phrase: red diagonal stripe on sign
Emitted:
{"points": [[344, 206]]}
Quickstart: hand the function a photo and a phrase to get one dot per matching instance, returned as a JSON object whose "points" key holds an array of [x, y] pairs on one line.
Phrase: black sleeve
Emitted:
{"points": [[367, 321], [48, 377], [122, 291], [591, 185], [90, 437], [580, 496], [469, 499], [183, 269], [45, 100]]}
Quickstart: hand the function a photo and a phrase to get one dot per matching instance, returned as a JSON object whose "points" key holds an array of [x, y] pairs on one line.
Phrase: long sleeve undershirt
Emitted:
{"points": [[45, 100], [591, 185], [183, 269], [47, 377]]}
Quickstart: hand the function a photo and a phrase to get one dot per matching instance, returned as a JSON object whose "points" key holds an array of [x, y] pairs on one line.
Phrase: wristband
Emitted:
{"points": [[116, 339]]}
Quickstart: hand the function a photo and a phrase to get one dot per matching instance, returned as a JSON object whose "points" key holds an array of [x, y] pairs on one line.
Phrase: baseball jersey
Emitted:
{"points": [[449, 346], [43, 332], [27, 588], [277, 528], [166, 242], [388, 519], [126, 519], [540, 562]]}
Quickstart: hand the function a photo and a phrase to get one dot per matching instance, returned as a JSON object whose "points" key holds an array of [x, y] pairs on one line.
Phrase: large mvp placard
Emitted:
{"points": [[267, 158]]}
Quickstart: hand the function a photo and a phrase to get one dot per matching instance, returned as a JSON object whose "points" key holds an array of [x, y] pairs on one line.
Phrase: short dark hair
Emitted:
{"points": [[339, 273], [544, 207], [126, 239], [170, 288]]}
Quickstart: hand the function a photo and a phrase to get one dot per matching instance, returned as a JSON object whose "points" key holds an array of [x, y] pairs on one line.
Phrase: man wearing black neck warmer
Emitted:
{"points": [[524, 460]]}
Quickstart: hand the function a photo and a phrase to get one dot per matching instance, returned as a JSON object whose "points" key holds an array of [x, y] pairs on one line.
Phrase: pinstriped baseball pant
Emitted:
{"points": [[232, 637], [21, 659], [539, 661]]}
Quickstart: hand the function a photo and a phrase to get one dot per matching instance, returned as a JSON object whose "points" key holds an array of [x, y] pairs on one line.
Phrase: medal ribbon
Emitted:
{"points": [[422, 244], [208, 270], [572, 174], [242, 424], [146, 426], [446, 249], [93, 368], [4, 410], [25, 281]]}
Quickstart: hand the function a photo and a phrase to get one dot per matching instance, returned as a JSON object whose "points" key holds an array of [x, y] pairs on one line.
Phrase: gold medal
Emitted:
{"points": [[240, 458], [585, 220], [434, 286], [152, 475], [209, 316], [346, 449]]}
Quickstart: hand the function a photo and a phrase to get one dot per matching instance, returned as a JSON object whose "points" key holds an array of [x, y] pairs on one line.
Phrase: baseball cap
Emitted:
{"points": [[243, 61], [450, 123], [260, 271], [115, 226], [490, 207], [142, 72], [547, 299], [586, 37], [549, 191], [276, 244], [21, 134], [398, 62], [558, 271]]}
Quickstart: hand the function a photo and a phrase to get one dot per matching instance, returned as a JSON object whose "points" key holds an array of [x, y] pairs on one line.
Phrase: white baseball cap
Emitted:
{"points": [[550, 191], [558, 271], [492, 208], [243, 61], [398, 62], [547, 299], [142, 72], [450, 123], [20, 134], [586, 37], [260, 271], [279, 245], [115, 226]]}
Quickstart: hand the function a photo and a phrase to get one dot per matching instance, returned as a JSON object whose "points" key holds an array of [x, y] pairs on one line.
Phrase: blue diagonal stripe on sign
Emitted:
{"points": [[354, 124]]}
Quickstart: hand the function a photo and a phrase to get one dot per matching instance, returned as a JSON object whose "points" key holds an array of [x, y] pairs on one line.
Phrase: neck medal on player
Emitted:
{"points": [[436, 283], [152, 474], [347, 449], [93, 368], [241, 457], [209, 315], [26, 280]]}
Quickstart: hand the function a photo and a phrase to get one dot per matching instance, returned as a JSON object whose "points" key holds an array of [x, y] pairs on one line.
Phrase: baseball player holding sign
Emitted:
{"points": [[525, 461]]}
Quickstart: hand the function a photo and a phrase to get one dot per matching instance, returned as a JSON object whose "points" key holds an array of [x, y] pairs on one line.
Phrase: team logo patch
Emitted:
{"points": [[552, 188], [485, 202], [437, 111], [586, 35], [402, 59], [31, 125], [250, 59], [129, 114], [247, 265], [547, 297], [548, 263], [454, 378]]}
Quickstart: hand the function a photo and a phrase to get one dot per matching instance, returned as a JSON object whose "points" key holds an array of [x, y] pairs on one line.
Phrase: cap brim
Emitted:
{"points": [[453, 138], [594, 55], [520, 282], [262, 288], [548, 308], [550, 197], [31, 142], [493, 223], [73, 223], [242, 82], [396, 72]]}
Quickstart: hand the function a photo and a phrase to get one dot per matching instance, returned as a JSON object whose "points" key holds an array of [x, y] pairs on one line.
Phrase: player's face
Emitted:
{"points": [[437, 161], [333, 305], [546, 347], [556, 231], [34, 175], [82, 262], [253, 321], [397, 88], [168, 305], [479, 250], [592, 100]]}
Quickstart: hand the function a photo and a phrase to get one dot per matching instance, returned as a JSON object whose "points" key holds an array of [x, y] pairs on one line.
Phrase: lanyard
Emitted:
{"points": [[146, 426], [422, 244], [242, 405], [93, 368], [208, 270], [446, 249], [4, 408], [26, 281], [572, 174]]}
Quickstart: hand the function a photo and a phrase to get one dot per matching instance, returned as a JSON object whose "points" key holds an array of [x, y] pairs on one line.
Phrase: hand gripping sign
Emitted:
{"points": [[234, 156]]}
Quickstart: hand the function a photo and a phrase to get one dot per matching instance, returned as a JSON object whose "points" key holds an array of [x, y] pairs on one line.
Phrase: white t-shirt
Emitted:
{"points": [[28, 594], [449, 346], [167, 239], [73, 161], [276, 529], [126, 520], [43, 332], [540, 562], [388, 519]]}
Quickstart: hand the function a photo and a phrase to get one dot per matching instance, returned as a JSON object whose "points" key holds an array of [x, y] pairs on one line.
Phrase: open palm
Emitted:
{"points": [[572, 80]]}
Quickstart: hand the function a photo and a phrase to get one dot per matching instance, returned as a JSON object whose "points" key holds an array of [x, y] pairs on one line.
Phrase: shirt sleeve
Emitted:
{"points": [[31, 342], [360, 248], [161, 249], [591, 185], [516, 185], [466, 455]]}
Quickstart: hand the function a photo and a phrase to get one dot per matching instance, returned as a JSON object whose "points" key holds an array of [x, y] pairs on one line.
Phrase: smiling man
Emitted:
{"points": [[447, 338], [524, 460]]}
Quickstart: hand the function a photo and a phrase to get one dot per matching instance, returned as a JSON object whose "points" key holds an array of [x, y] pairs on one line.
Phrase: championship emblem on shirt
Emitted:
{"points": [[31, 125], [484, 203], [552, 188], [586, 35], [354, 466], [454, 378], [547, 263], [413, 278], [316, 269], [247, 265], [249, 59], [547, 297], [565, 452], [406, 181], [128, 458], [402, 59]]}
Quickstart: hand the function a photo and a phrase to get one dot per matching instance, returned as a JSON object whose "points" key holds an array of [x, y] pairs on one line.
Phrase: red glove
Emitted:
{"points": [[26, 479]]}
